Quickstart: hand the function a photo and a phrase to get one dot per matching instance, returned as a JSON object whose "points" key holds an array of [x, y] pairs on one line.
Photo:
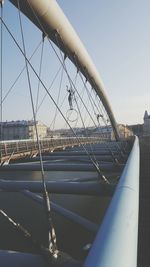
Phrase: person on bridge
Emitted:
{"points": [[70, 97], [98, 116]]}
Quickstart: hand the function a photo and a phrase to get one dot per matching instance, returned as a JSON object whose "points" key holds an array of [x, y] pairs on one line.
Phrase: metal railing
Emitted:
{"points": [[116, 241], [21, 148]]}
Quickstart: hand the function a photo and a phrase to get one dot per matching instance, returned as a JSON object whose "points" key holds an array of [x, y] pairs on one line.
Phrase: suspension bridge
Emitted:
{"points": [[103, 168]]}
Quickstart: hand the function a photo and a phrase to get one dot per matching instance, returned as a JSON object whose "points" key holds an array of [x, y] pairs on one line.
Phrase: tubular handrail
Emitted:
{"points": [[116, 241]]}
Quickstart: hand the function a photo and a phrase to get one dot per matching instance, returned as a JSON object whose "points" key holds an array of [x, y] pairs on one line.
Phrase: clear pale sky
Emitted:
{"points": [[117, 36]]}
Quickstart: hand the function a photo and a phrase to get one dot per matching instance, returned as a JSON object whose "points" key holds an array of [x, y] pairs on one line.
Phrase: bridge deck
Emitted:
{"points": [[144, 218]]}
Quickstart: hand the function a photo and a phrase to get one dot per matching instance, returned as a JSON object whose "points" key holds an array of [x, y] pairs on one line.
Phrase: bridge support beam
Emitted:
{"points": [[90, 226], [106, 166], [77, 188]]}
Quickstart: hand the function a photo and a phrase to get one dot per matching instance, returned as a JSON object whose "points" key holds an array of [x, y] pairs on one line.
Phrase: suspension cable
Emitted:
{"points": [[74, 80], [48, 93], [1, 81], [96, 166], [93, 104], [27, 235], [17, 78], [39, 106], [89, 95], [94, 157], [69, 78], [40, 70], [86, 133], [60, 85], [72, 84], [51, 231], [98, 107], [55, 50], [81, 108], [118, 148], [57, 108]]}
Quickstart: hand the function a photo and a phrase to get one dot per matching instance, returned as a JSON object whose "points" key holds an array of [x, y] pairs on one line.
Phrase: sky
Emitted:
{"points": [[117, 37]]}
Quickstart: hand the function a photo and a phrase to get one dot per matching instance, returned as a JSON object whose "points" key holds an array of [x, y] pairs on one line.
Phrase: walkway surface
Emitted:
{"points": [[144, 216]]}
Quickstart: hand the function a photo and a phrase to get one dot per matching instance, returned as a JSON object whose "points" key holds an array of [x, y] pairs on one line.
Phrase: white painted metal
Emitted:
{"points": [[48, 16], [116, 242]]}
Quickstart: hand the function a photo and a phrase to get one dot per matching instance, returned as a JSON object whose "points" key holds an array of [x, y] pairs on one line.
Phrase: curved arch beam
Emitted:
{"points": [[50, 19]]}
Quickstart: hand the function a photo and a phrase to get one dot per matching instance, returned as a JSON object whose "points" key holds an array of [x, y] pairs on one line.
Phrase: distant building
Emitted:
{"points": [[16, 130], [146, 125], [107, 132], [137, 129], [104, 132], [124, 131], [142, 129]]}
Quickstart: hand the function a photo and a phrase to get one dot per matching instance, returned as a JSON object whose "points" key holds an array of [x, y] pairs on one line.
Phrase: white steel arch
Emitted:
{"points": [[48, 16]]}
